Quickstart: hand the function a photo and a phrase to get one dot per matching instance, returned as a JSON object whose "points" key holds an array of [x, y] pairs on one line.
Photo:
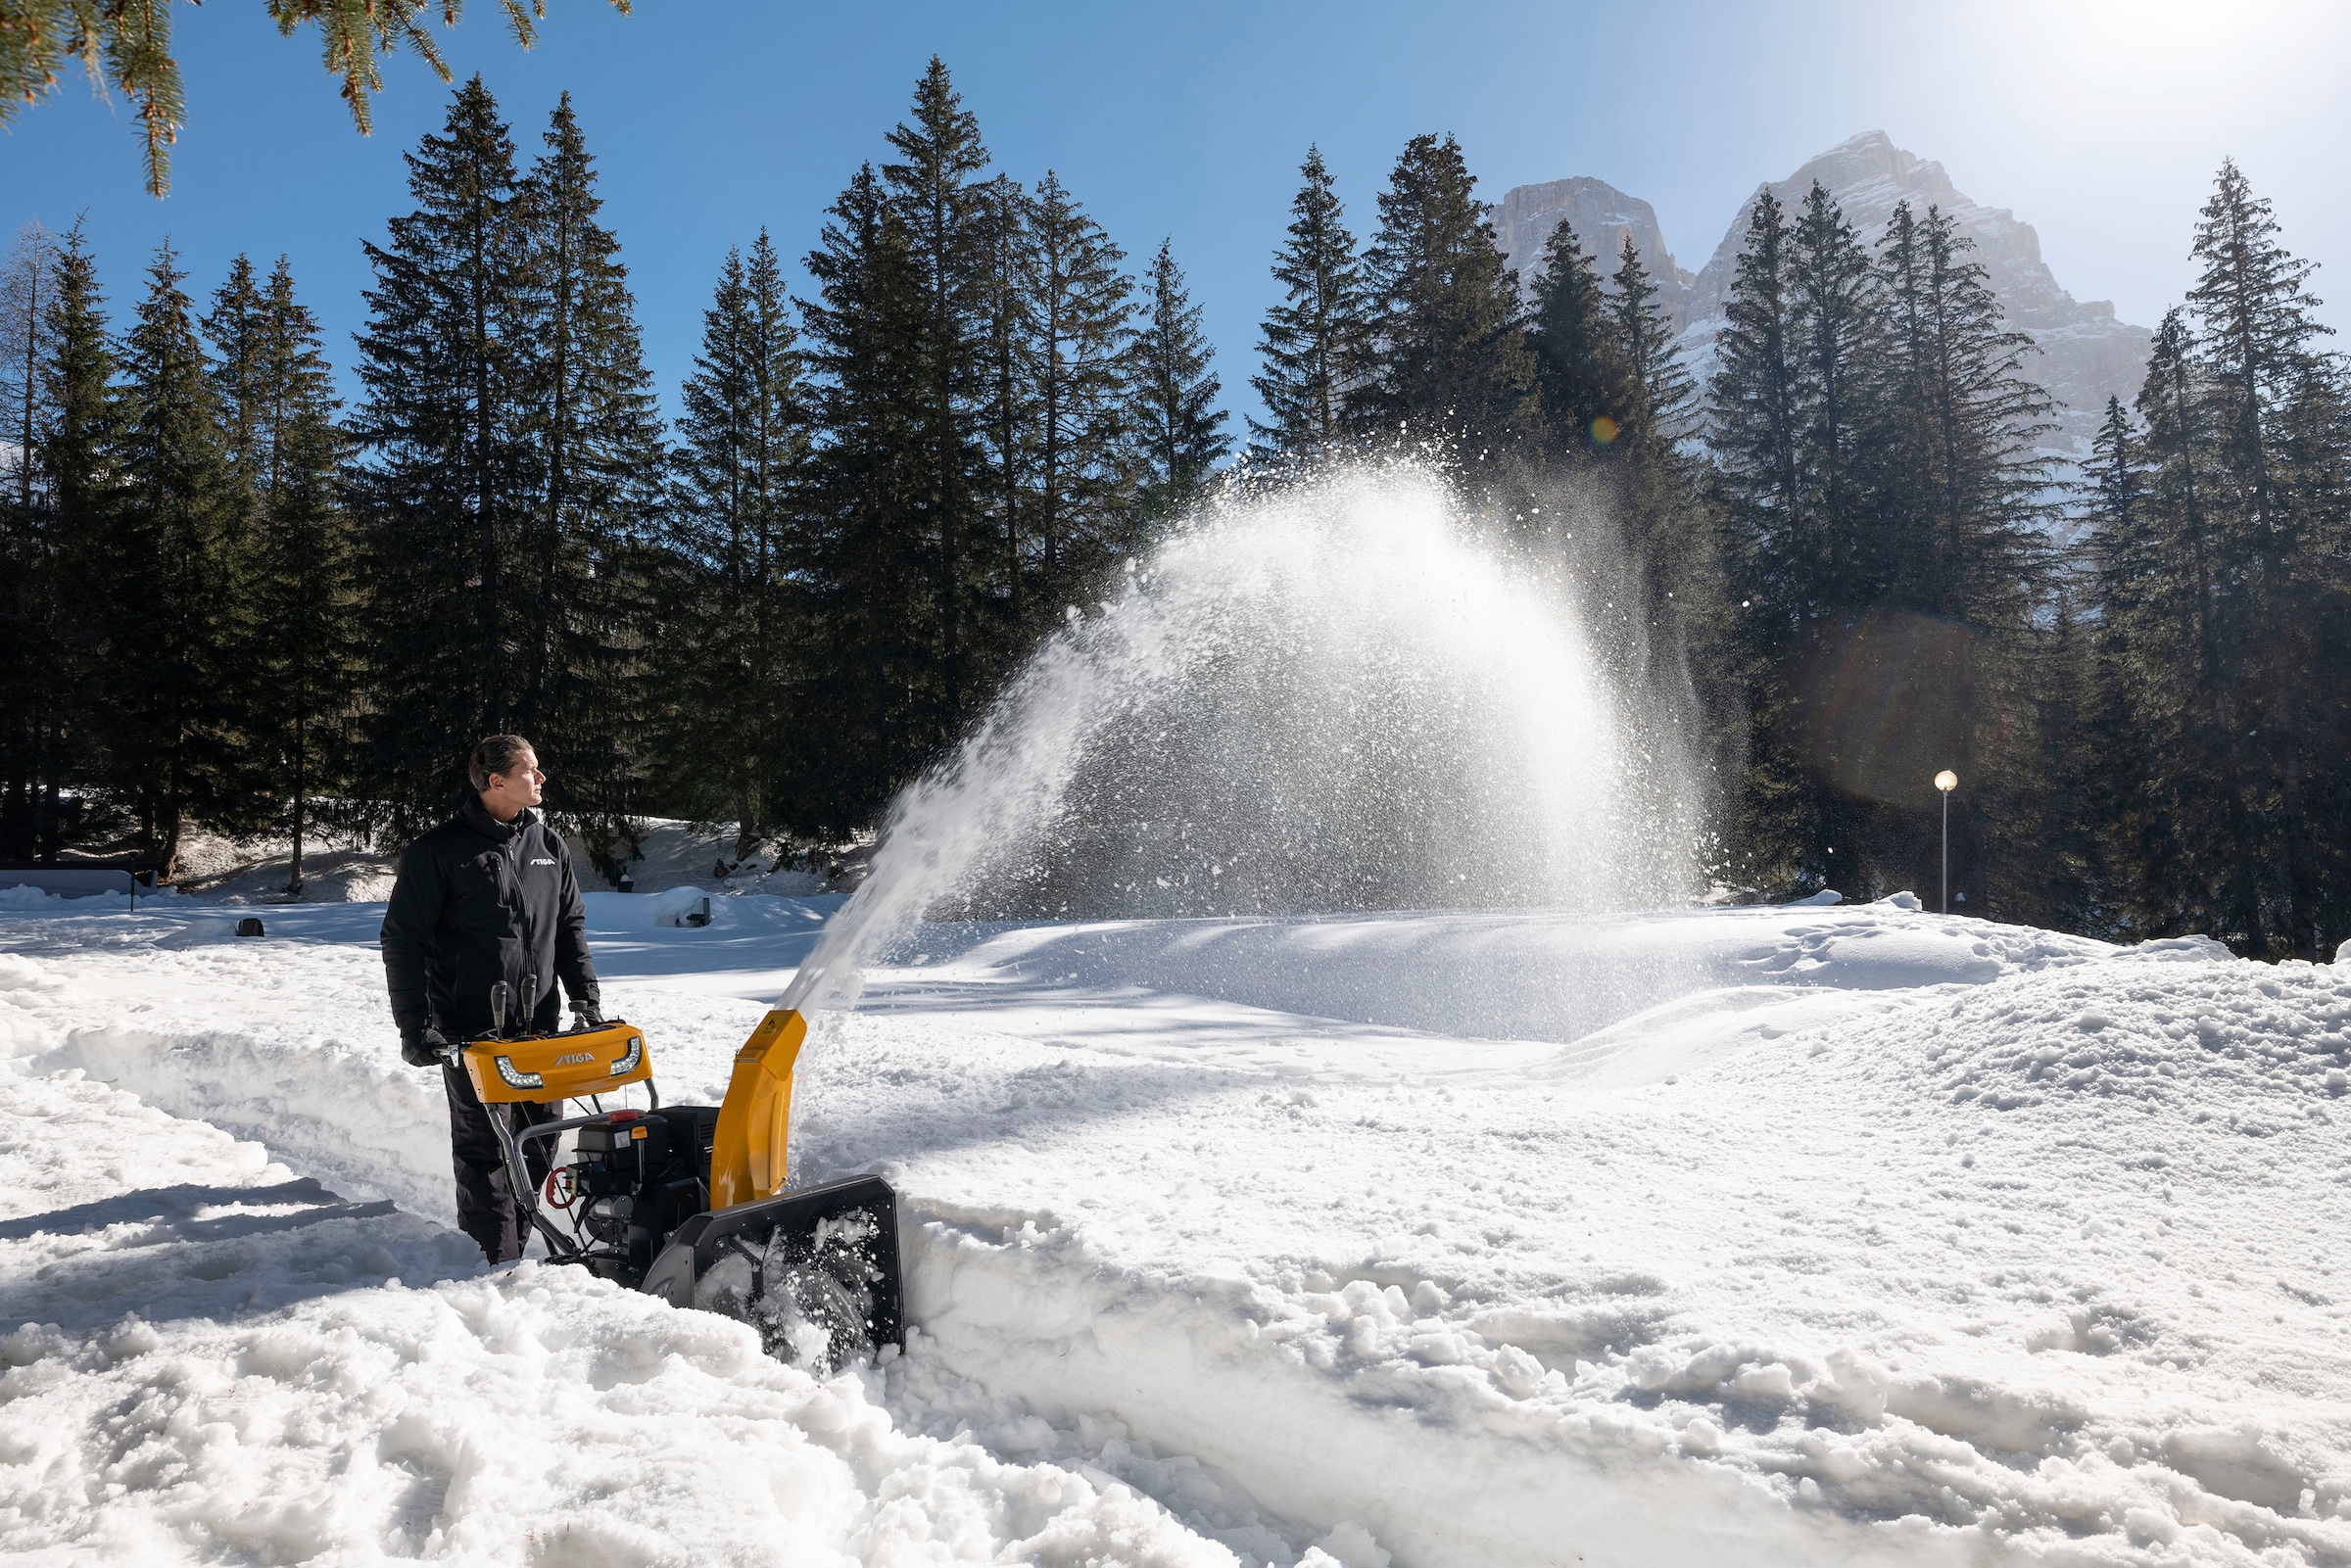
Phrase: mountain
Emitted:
{"points": [[2086, 353], [1602, 216]]}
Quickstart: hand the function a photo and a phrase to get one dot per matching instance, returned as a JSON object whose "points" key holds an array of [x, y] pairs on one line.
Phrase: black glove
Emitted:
{"points": [[428, 1049], [590, 1013]]}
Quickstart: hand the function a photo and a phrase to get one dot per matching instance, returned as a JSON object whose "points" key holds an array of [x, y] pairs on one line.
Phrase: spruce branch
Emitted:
{"points": [[127, 45]]}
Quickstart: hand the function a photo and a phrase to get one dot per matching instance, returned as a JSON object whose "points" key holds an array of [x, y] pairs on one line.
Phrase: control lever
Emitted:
{"points": [[499, 994], [528, 1020]]}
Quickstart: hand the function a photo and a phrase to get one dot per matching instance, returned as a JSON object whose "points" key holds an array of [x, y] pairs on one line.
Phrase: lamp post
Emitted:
{"points": [[1945, 781]]}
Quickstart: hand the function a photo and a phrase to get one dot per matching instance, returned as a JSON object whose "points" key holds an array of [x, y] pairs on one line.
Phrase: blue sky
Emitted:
{"points": [[2099, 121]]}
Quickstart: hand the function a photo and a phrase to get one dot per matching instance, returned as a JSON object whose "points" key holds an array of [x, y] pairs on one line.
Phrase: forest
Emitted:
{"points": [[230, 597]]}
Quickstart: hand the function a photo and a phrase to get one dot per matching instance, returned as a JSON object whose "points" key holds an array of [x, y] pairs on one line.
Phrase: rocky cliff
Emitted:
{"points": [[1602, 216]]}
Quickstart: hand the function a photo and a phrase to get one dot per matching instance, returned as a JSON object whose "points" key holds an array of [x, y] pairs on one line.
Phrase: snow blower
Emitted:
{"points": [[686, 1202]]}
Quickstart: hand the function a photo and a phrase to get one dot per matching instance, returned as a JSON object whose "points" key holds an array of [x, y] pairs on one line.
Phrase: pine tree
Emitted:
{"points": [[1841, 362], [77, 460], [873, 697], [26, 571], [1446, 356], [1080, 309], [1757, 415], [1316, 343], [24, 345], [2224, 604], [2313, 472], [1175, 391], [2256, 313], [1971, 429], [1006, 407], [941, 206], [2143, 714], [234, 328], [168, 747], [1656, 391], [724, 653], [450, 491], [1577, 377], [300, 651], [1668, 528], [1663, 515], [1961, 538], [1796, 408], [595, 436], [1839, 355], [2187, 655]]}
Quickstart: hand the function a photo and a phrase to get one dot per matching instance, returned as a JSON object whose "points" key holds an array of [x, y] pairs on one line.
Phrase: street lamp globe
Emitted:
{"points": [[1947, 780]]}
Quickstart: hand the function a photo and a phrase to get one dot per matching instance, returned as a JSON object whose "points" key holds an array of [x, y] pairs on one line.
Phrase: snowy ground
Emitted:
{"points": [[1790, 1235]]}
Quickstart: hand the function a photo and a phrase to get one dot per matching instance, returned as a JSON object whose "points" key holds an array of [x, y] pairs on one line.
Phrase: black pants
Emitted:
{"points": [[485, 1206]]}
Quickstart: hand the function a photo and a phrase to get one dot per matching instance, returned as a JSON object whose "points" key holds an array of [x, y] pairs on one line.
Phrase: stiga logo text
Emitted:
{"points": [[575, 1059]]}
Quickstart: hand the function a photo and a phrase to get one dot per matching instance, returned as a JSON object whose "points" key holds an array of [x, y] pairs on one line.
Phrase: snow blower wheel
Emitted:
{"points": [[685, 1202]]}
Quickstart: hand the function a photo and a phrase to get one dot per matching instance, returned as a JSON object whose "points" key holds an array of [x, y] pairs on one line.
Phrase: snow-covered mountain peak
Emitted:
{"points": [[2086, 351], [1870, 176]]}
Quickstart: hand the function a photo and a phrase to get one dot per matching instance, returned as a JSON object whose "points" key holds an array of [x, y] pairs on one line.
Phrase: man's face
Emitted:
{"points": [[516, 788]]}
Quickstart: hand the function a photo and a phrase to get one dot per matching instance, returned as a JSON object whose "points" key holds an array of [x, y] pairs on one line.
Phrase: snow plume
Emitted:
{"points": [[1346, 694]]}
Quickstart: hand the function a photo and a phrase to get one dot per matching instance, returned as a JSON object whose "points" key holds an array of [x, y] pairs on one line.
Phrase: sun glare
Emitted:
{"points": [[2097, 59]]}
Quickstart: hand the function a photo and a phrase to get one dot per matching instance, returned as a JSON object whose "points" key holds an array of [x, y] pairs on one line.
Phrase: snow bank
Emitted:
{"points": [[528, 1414], [2024, 1268], [537, 1415], [337, 1103], [1525, 976], [1357, 1404]]}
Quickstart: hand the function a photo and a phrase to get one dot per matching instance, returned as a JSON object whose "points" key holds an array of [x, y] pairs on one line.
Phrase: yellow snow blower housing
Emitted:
{"points": [[690, 1203], [754, 1120], [557, 1066]]}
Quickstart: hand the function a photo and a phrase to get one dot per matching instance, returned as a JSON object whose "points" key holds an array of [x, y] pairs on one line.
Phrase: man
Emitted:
{"points": [[487, 896]]}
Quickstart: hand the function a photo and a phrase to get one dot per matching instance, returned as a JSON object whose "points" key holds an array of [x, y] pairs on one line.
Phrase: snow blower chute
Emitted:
{"points": [[685, 1201]]}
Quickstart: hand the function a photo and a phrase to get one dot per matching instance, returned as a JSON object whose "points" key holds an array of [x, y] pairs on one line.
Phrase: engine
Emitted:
{"points": [[633, 1178]]}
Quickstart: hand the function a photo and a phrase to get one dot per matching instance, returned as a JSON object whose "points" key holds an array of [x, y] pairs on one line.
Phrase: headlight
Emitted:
{"points": [[631, 1057], [518, 1080]]}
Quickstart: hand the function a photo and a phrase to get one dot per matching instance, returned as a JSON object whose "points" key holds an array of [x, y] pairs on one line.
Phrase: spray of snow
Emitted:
{"points": [[1344, 696]]}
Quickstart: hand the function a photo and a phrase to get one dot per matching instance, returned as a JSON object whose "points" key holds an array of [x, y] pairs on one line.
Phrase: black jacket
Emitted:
{"points": [[477, 902]]}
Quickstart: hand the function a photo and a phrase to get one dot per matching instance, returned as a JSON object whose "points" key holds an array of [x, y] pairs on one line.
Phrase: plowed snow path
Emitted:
{"points": [[1769, 1236]]}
